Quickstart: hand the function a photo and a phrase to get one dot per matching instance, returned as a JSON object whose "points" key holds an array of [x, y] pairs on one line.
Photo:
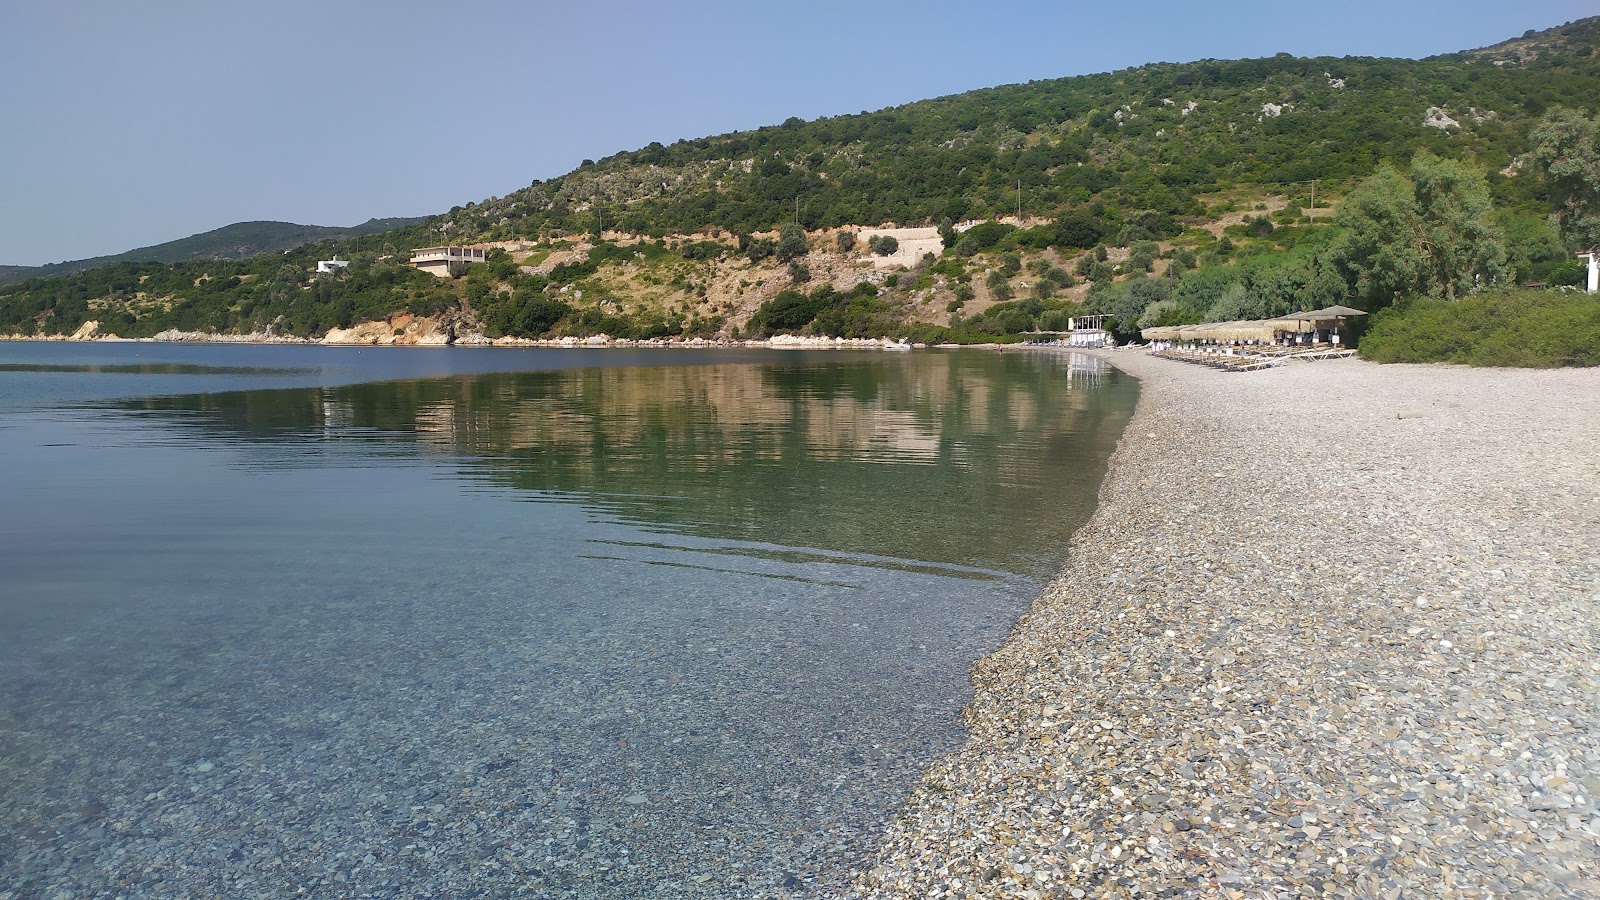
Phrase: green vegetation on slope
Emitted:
{"points": [[1442, 172], [1150, 138], [1538, 329]]}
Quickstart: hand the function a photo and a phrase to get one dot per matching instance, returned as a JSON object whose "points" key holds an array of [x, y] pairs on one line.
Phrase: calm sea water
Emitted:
{"points": [[452, 622]]}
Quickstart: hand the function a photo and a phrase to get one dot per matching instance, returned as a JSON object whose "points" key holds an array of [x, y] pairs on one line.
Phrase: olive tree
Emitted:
{"points": [[1566, 150]]}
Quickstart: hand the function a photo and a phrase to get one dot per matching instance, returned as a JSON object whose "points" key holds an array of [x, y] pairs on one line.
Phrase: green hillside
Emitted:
{"points": [[1150, 138], [235, 241], [1167, 193]]}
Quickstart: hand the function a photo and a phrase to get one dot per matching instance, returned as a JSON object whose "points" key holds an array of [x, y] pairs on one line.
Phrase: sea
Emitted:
{"points": [[312, 621]]}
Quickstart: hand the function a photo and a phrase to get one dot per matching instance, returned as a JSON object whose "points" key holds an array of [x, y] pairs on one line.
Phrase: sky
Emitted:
{"points": [[131, 124]]}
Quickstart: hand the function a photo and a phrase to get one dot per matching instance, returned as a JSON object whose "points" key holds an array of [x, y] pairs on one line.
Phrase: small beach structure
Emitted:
{"points": [[437, 260], [1327, 319], [1087, 332]]}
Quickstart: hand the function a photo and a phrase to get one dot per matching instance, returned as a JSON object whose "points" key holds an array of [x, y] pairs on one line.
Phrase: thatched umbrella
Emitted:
{"points": [[1245, 330], [1337, 314]]}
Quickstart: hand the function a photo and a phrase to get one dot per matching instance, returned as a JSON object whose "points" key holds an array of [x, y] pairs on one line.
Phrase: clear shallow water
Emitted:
{"points": [[564, 623]]}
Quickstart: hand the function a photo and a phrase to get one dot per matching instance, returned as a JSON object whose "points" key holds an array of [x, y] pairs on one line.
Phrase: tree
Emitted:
{"points": [[1566, 149], [1425, 235], [999, 287], [947, 232], [1465, 249], [884, 244], [791, 242], [847, 241], [1078, 230]]}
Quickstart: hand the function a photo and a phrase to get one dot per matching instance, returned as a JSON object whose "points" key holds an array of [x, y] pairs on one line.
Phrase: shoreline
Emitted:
{"points": [[1332, 629], [596, 342]]}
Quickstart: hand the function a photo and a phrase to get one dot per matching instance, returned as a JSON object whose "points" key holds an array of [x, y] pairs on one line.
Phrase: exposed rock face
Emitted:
{"points": [[403, 329], [213, 337], [1435, 117], [88, 331]]}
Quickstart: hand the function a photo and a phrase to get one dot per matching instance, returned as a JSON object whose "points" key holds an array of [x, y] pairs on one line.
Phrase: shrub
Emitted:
{"points": [[987, 234], [759, 248], [1522, 328], [791, 242], [1078, 231]]}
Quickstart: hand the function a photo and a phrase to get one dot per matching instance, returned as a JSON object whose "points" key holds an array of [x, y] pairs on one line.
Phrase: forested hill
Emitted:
{"points": [[1148, 138], [235, 241], [1166, 193]]}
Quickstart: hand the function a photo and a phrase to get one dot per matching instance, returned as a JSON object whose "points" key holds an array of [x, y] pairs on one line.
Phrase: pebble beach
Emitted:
{"points": [[1332, 631]]}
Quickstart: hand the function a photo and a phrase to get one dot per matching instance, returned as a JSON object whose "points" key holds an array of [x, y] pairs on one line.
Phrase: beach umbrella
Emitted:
{"points": [[1338, 312]]}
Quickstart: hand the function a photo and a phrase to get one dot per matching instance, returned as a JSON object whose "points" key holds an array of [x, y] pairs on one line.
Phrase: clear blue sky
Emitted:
{"points": [[129, 124]]}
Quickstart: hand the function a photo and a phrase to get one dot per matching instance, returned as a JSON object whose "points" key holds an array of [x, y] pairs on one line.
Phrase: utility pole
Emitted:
{"points": [[1313, 214], [1019, 202]]}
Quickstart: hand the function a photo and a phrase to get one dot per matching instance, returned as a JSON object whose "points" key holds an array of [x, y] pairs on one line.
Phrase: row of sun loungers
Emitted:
{"points": [[1251, 358]]}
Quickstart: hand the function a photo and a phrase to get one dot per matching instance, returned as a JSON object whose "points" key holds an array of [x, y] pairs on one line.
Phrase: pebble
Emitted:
{"points": [[1406, 606]]}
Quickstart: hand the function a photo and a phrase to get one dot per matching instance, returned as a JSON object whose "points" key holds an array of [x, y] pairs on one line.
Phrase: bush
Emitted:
{"points": [[791, 242], [1522, 328], [883, 244], [847, 241], [759, 248], [986, 235], [1078, 231]]}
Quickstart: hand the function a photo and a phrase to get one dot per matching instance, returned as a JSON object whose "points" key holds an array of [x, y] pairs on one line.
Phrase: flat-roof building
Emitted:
{"points": [[438, 259]]}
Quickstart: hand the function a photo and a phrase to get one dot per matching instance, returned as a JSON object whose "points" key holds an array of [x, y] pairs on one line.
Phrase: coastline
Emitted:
{"points": [[1332, 629], [599, 341]]}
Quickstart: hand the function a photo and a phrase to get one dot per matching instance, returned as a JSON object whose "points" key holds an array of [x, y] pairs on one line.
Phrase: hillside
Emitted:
{"points": [[1171, 192], [235, 241]]}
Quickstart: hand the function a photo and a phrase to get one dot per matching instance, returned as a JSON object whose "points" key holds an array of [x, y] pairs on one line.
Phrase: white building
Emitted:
{"points": [[1593, 256], [438, 259], [330, 265], [1089, 331]]}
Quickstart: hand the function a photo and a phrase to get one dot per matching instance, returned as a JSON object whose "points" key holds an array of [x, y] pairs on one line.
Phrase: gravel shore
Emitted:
{"points": [[1332, 631]]}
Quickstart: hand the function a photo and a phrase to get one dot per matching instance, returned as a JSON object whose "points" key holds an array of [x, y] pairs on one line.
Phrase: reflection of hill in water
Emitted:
{"points": [[978, 459]]}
